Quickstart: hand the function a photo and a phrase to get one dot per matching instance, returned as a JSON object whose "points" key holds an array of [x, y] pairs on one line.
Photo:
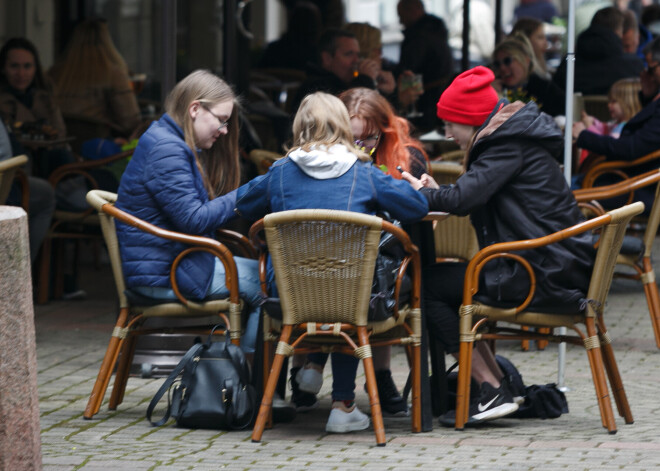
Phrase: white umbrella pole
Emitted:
{"points": [[568, 155]]}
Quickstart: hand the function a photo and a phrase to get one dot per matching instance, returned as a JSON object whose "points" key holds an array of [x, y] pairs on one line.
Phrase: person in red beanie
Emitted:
{"points": [[513, 189]]}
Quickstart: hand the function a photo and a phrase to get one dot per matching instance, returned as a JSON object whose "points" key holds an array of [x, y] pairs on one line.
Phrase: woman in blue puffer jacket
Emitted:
{"points": [[183, 177]]}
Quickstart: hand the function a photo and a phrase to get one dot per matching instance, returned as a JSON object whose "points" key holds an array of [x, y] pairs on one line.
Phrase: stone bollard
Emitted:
{"points": [[20, 440]]}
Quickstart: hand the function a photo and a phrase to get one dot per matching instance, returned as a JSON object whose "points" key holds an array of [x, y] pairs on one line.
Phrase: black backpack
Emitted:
{"points": [[541, 401]]}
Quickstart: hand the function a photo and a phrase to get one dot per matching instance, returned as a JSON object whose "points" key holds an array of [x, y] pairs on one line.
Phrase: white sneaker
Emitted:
{"points": [[341, 421], [309, 380]]}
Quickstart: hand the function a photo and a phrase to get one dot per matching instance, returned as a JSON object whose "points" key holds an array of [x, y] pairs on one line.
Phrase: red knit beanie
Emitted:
{"points": [[470, 98]]}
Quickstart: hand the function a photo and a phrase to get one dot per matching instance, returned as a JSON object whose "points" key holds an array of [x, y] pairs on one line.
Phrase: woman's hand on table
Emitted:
{"points": [[426, 181]]}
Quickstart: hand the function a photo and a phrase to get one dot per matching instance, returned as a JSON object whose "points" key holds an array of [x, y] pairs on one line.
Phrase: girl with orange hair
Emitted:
{"points": [[382, 134]]}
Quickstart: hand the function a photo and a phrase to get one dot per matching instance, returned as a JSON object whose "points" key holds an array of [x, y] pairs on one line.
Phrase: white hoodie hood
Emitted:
{"points": [[323, 163]]}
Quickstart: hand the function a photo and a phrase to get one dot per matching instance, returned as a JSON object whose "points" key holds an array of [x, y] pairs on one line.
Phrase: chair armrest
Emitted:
{"points": [[237, 241], [627, 186], [502, 249], [80, 168], [615, 167], [197, 243]]}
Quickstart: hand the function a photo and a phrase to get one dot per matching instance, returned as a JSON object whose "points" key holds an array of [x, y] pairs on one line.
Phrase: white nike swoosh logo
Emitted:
{"points": [[482, 408]]}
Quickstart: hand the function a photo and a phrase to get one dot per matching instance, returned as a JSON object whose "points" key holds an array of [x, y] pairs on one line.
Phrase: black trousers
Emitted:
{"points": [[443, 294]]}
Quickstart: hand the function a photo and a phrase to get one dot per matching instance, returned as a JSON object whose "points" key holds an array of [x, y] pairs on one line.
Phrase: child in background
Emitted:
{"points": [[623, 104]]}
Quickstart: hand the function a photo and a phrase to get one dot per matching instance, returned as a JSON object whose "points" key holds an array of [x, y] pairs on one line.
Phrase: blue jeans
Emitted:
{"points": [[248, 287]]}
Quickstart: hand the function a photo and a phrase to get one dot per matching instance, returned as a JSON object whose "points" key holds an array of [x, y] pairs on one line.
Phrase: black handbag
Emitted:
{"points": [[214, 391], [390, 255]]}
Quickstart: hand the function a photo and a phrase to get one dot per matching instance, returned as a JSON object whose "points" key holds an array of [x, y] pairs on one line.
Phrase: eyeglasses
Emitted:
{"points": [[368, 144], [504, 62], [651, 68], [223, 124]]}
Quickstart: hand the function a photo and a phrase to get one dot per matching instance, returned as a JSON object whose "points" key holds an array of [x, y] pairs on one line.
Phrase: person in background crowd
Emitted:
{"points": [[27, 104], [514, 63], [41, 203], [298, 46], [92, 79], [371, 58], [640, 135], [534, 30], [425, 50], [599, 57], [512, 189], [340, 67], [324, 170]]}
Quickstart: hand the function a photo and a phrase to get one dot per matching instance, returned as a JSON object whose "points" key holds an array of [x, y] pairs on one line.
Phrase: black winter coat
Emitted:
{"points": [[599, 62], [513, 189]]}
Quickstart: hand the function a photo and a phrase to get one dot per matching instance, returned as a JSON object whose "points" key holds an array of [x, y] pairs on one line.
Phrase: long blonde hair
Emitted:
{"points": [[218, 165], [626, 93], [89, 58], [322, 120]]}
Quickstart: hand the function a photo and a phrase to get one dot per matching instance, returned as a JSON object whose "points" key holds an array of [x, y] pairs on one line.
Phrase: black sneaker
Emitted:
{"points": [[283, 411], [303, 401], [391, 402], [491, 404], [517, 398]]}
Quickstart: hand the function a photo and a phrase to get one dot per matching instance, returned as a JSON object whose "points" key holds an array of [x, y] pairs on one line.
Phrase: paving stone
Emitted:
{"points": [[71, 340]]}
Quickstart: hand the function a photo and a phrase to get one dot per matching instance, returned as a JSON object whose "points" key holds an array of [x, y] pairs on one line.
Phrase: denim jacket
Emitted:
{"points": [[329, 179]]}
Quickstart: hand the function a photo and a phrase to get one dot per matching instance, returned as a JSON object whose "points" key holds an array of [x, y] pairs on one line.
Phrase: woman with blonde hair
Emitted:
{"points": [[384, 135], [514, 65], [92, 79], [324, 170], [534, 30], [183, 177]]}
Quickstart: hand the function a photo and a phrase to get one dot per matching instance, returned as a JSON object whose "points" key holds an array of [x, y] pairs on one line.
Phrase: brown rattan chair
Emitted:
{"points": [[620, 168], [9, 171], [596, 340], [69, 225], [324, 265], [134, 310], [636, 252], [454, 236]]}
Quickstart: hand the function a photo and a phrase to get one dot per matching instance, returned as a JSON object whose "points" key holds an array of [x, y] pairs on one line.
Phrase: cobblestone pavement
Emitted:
{"points": [[71, 340]]}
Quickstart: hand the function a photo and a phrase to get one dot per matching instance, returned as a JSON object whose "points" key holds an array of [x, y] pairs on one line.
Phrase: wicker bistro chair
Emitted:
{"points": [[69, 225], [454, 236], [324, 265], [474, 314], [9, 170], [636, 252], [134, 309], [615, 167]]}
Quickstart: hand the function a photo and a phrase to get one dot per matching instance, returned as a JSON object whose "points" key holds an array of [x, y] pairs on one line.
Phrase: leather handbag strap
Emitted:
{"points": [[237, 358], [187, 358]]}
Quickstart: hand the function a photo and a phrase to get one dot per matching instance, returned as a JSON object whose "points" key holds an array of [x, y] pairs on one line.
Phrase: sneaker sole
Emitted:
{"points": [[497, 412], [401, 413], [345, 428], [307, 408]]}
